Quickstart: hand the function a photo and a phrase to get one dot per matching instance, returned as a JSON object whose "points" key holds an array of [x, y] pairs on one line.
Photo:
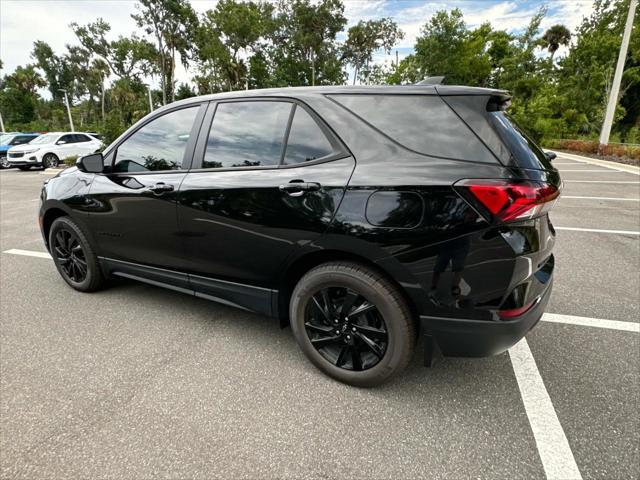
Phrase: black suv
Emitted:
{"points": [[364, 216]]}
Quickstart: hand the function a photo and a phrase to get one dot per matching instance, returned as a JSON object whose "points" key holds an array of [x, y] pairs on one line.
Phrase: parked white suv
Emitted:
{"points": [[50, 149]]}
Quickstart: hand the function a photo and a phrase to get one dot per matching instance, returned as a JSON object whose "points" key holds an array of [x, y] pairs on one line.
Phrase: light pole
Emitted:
{"points": [[150, 102], [617, 78], [1, 123], [66, 101]]}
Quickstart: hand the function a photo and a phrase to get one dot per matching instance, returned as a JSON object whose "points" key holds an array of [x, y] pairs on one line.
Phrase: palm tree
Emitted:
{"points": [[554, 37]]}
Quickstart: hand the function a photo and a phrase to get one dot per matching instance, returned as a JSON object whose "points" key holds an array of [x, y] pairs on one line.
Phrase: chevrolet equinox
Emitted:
{"points": [[364, 217]]}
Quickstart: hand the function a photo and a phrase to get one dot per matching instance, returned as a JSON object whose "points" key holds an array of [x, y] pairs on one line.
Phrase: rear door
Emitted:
{"points": [[266, 181]]}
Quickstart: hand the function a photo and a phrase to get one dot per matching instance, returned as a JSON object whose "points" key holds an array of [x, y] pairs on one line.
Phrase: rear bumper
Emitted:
{"points": [[482, 338]]}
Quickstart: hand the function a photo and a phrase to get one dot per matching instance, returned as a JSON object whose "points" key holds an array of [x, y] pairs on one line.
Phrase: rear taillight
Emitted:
{"points": [[507, 200]]}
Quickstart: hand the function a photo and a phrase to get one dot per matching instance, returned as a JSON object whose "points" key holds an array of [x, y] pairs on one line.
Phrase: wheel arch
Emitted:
{"points": [[301, 265], [47, 220]]}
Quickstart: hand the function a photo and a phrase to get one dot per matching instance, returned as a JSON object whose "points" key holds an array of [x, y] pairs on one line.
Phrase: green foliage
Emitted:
{"points": [[70, 161], [262, 43], [364, 38]]}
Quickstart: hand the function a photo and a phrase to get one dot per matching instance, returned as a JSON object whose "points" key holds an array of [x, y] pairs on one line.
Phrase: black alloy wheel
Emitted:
{"points": [[346, 329], [50, 161], [73, 256], [352, 323], [70, 255]]}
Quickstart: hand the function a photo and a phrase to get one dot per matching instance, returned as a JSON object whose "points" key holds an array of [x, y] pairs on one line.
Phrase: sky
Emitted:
{"points": [[24, 21]]}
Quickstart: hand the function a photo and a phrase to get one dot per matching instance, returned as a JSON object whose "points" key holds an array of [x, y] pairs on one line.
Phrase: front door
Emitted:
{"points": [[132, 209], [267, 182]]}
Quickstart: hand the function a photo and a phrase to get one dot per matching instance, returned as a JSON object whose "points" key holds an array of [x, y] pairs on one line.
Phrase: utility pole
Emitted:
{"points": [[1, 123], [66, 102], [150, 102], [617, 78]]}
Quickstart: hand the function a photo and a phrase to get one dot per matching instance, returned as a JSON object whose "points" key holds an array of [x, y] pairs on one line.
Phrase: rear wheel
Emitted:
{"points": [[352, 323], [73, 256], [50, 160]]}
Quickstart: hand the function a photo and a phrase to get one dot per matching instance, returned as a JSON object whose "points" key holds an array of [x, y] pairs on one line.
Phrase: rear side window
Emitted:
{"points": [[67, 139], [247, 134], [422, 123], [306, 140], [81, 138]]}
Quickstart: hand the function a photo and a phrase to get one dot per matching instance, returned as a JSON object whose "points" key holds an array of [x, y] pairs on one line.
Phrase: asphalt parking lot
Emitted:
{"points": [[140, 382]]}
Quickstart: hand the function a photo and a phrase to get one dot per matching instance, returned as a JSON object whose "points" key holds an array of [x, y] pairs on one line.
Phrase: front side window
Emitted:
{"points": [[159, 145], [247, 134], [306, 140]]}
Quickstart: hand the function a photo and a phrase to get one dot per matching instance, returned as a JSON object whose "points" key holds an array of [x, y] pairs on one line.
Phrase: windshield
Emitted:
{"points": [[49, 138], [5, 139]]}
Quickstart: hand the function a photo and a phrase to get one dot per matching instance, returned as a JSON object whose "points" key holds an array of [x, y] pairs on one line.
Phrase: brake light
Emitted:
{"points": [[508, 200]]}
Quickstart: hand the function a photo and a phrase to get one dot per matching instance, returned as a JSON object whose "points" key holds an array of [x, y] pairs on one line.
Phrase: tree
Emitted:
{"points": [[170, 22], [227, 36], [18, 94], [554, 37], [447, 47], [364, 38], [302, 49]]}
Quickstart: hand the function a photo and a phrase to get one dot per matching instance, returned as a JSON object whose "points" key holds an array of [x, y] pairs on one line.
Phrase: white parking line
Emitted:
{"points": [[592, 171], [603, 181], [603, 198], [553, 447], [28, 253], [592, 322], [597, 230], [621, 167]]}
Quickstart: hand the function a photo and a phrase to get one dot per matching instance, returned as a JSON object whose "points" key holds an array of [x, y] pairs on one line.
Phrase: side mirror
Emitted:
{"points": [[61, 142], [93, 163], [550, 155]]}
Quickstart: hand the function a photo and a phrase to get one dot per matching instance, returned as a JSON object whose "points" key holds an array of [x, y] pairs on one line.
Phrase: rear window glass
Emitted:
{"points": [[422, 123], [527, 153]]}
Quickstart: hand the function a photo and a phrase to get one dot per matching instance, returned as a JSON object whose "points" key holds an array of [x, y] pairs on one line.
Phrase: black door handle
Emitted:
{"points": [[161, 187], [296, 188]]}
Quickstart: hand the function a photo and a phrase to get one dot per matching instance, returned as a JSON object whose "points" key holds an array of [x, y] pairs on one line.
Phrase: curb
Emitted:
{"points": [[51, 171], [602, 163]]}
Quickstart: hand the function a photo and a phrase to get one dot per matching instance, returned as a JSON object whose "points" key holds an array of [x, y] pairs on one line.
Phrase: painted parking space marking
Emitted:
{"points": [[552, 444], [597, 230], [592, 171], [28, 253], [628, 182], [591, 322], [621, 167], [617, 199]]}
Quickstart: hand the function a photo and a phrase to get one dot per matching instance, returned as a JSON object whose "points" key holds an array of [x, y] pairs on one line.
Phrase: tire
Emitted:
{"points": [[24, 168], [4, 162], [50, 160], [78, 267], [313, 324]]}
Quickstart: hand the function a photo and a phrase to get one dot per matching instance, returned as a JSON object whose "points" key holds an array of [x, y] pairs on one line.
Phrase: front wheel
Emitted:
{"points": [[352, 323], [50, 161], [73, 256], [4, 162]]}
